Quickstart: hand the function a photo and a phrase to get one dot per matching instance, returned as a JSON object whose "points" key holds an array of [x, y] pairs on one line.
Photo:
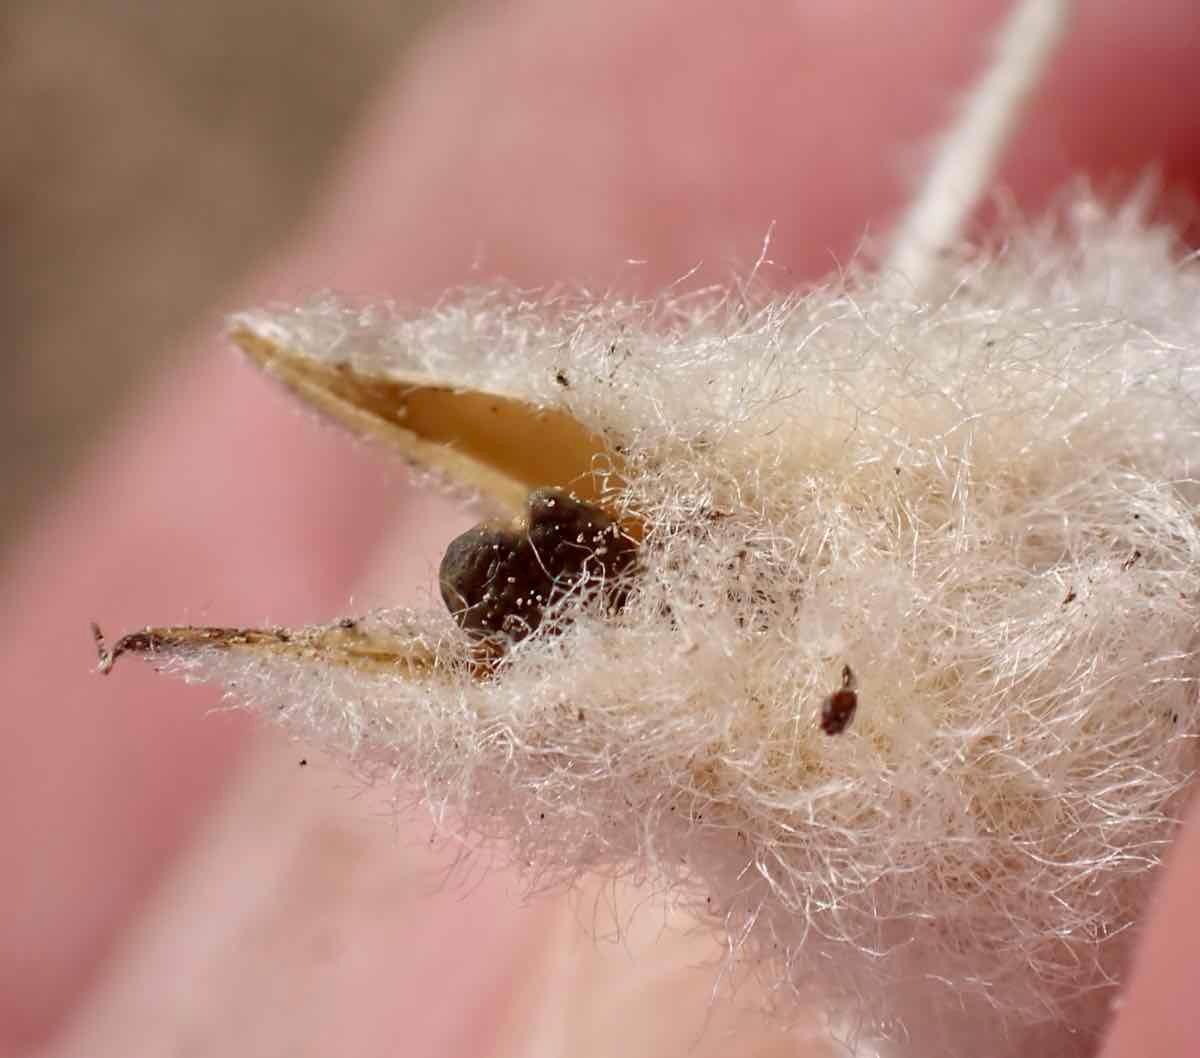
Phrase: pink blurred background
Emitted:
{"points": [[175, 883]]}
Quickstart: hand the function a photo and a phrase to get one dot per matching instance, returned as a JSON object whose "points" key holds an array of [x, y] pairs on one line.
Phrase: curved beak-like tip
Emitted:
{"points": [[137, 642], [106, 656]]}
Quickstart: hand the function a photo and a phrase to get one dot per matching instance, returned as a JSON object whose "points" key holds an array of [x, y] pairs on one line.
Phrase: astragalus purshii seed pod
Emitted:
{"points": [[867, 622]]}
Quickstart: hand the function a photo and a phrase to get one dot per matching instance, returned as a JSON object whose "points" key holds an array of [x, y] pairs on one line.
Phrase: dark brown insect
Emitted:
{"points": [[838, 708], [498, 580]]}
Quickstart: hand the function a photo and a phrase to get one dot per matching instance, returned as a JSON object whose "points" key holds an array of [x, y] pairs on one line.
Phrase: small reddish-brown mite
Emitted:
{"points": [[838, 708]]}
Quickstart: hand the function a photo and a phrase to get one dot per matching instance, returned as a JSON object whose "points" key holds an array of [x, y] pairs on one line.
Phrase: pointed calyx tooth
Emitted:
{"points": [[501, 446], [498, 580], [345, 644]]}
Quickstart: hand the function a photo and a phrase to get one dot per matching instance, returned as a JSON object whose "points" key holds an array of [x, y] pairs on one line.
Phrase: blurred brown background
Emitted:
{"points": [[149, 155]]}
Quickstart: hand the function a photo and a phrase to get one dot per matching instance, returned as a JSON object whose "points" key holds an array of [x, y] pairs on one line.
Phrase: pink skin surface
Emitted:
{"points": [[544, 141]]}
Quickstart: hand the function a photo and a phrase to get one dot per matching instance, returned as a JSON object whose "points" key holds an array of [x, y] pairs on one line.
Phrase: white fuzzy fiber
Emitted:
{"points": [[984, 502]]}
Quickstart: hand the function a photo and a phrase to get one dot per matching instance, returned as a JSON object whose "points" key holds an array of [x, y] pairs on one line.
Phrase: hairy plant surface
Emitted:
{"points": [[972, 512]]}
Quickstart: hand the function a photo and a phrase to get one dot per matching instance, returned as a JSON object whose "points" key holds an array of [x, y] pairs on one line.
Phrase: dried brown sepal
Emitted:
{"points": [[346, 644], [501, 446]]}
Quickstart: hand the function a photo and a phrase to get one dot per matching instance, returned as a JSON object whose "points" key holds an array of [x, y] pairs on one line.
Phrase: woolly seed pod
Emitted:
{"points": [[948, 495], [967, 504]]}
